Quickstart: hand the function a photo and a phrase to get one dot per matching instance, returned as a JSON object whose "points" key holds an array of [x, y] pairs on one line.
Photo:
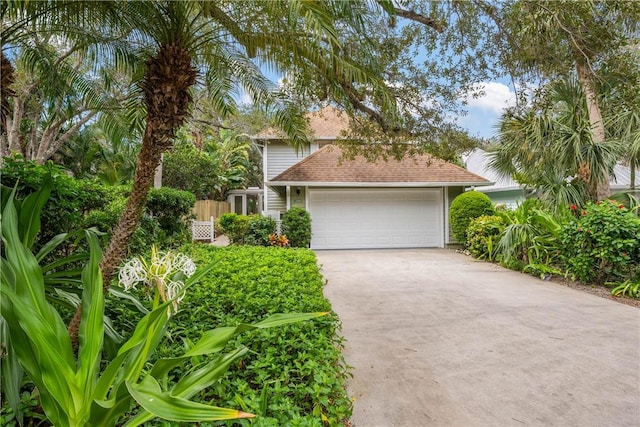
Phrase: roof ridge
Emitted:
{"points": [[321, 166]]}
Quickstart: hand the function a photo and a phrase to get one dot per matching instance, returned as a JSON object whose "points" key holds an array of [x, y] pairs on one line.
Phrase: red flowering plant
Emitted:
{"points": [[602, 243]]}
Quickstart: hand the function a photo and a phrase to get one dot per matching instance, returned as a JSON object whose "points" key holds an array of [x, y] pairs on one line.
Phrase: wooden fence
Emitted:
{"points": [[205, 209]]}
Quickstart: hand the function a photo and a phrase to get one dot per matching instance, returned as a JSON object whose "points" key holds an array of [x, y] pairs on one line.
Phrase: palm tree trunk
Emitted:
{"points": [[166, 86], [600, 189], [7, 77]]}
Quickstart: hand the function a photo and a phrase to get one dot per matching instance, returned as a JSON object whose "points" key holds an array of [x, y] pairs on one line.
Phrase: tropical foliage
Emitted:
{"points": [[601, 243], [598, 243], [209, 165], [77, 389], [550, 148]]}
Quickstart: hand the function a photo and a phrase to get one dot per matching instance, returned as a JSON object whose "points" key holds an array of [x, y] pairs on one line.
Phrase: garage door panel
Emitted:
{"points": [[375, 218]]}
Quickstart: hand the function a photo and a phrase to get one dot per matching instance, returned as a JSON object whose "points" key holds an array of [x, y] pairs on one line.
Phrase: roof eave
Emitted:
{"points": [[374, 184]]}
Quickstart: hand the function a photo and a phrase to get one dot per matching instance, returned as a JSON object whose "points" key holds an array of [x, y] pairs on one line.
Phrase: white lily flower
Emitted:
{"points": [[158, 274]]}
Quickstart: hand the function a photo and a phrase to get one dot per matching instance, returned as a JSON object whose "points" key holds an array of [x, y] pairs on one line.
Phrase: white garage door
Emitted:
{"points": [[376, 218]]}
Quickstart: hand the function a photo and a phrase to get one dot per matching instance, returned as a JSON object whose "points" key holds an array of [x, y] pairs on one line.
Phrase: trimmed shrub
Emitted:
{"points": [[464, 208], [258, 230], [601, 243], [299, 365], [296, 225], [234, 226], [483, 235]]}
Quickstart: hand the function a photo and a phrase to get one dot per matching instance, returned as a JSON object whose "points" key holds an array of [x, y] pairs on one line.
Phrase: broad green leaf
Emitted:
{"points": [[51, 245], [71, 259], [31, 209], [206, 375], [286, 318], [161, 404], [10, 372], [198, 379], [42, 354], [91, 334], [214, 340], [29, 285], [118, 291]]}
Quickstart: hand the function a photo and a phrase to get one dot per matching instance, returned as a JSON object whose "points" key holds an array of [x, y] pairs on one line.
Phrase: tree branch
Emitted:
{"points": [[417, 17], [44, 155]]}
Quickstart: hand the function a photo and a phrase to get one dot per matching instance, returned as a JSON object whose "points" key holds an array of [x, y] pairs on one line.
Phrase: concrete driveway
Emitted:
{"points": [[438, 339]]}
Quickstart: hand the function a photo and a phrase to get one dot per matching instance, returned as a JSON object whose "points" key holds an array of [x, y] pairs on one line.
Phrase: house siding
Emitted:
{"points": [[279, 157]]}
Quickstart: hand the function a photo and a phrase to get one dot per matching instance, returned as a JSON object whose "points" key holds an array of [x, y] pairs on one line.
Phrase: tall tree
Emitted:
{"points": [[549, 147], [547, 39], [44, 36], [216, 42]]}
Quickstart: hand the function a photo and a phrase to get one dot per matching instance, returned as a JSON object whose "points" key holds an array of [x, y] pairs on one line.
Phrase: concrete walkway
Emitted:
{"points": [[438, 339]]}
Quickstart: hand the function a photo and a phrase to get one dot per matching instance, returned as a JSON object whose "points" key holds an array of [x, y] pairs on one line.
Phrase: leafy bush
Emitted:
{"points": [[171, 208], [483, 235], [298, 367], [165, 220], [259, 229], [234, 226], [76, 204], [464, 208], [602, 243], [531, 237], [70, 198], [296, 225]]}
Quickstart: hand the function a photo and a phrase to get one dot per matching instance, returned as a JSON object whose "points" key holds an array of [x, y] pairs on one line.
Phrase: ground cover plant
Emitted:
{"points": [[293, 376]]}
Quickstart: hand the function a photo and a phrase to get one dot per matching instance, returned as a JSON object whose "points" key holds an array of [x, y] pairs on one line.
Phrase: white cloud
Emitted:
{"points": [[246, 98], [496, 97]]}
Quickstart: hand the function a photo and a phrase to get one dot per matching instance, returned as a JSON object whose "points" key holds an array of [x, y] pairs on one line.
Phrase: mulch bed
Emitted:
{"points": [[600, 291]]}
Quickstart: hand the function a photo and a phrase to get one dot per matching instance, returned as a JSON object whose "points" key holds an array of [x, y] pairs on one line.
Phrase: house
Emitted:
{"points": [[359, 204], [509, 192]]}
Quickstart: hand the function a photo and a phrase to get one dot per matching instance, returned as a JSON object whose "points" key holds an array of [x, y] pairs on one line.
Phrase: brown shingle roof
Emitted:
{"points": [[328, 166], [326, 123]]}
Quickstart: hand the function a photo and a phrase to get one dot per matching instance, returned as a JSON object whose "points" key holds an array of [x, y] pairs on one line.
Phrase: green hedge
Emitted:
{"points": [[466, 207], [300, 365], [296, 225]]}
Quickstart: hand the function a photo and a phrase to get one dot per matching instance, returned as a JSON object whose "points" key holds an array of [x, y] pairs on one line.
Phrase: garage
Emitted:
{"points": [[363, 218], [355, 203]]}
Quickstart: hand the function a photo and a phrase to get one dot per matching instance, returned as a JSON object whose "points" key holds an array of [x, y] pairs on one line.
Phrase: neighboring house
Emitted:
{"points": [[509, 192], [359, 204]]}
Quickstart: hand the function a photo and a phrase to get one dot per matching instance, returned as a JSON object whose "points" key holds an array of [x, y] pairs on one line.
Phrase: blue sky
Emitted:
{"points": [[484, 112]]}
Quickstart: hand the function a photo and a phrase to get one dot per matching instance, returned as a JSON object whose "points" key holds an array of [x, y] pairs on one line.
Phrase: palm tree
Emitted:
{"points": [[53, 41], [213, 43], [552, 148]]}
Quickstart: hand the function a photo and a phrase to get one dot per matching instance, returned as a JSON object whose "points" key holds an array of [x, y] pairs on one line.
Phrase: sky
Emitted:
{"points": [[484, 112]]}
